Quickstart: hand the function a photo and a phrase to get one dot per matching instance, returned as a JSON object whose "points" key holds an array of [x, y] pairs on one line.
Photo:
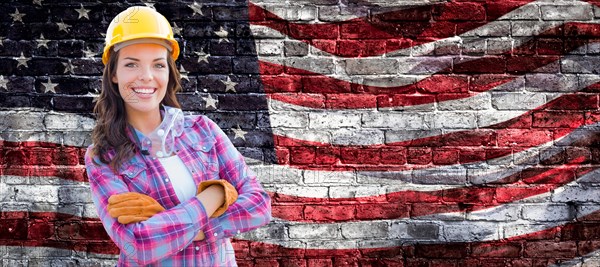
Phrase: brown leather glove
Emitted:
{"points": [[231, 194], [132, 207]]}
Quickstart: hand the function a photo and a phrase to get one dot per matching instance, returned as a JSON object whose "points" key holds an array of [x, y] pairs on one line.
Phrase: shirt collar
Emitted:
{"points": [[144, 142]]}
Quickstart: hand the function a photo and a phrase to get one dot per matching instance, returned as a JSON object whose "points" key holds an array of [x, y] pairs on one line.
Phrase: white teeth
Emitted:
{"points": [[143, 91]]}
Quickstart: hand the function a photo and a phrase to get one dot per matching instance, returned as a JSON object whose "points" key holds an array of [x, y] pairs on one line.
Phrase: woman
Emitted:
{"points": [[169, 189]]}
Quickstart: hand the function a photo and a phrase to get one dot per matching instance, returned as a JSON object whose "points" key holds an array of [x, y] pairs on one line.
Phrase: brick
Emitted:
{"points": [[357, 230], [441, 251], [396, 156], [448, 11], [445, 156], [371, 66], [421, 156], [548, 212], [566, 12], [299, 65], [453, 120], [362, 156], [479, 65], [540, 249], [517, 101], [399, 120], [302, 155], [74, 194], [329, 213], [382, 211], [295, 48], [337, 101], [558, 119], [314, 231]]}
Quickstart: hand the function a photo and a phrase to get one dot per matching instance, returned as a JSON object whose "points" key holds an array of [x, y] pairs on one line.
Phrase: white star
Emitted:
{"points": [[89, 53], [17, 16], [49, 86], [239, 133], [3, 83], [197, 8], [202, 57], [229, 85], [83, 13], [210, 102], [22, 61], [62, 26], [222, 33], [176, 30], [150, 5], [42, 42], [184, 74], [37, 2], [69, 67]]}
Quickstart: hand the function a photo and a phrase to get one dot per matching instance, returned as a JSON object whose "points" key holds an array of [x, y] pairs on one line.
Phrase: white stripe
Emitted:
{"points": [[50, 256], [374, 126]]}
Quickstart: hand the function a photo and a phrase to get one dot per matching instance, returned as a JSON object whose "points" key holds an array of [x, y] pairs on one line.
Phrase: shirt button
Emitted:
{"points": [[203, 148], [197, 248], [238, 232], [216, 234], [167, 180], [160, 132]]}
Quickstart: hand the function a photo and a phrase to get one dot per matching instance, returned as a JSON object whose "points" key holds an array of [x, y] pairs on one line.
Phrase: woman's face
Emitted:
{"points": [[142, 76]]}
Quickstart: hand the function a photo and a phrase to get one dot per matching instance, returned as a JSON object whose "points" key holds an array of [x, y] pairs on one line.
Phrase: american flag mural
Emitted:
{"points": [[388, 133]]}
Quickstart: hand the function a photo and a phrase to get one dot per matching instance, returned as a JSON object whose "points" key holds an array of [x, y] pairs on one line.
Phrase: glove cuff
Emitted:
{"points": [[231, 194]]}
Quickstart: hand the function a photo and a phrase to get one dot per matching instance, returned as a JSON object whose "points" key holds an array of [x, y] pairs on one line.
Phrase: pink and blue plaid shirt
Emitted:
{"points": [[166, 239]]}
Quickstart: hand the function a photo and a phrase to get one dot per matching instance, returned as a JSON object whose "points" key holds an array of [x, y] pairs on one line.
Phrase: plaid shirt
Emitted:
{"points": [[166, 239]]}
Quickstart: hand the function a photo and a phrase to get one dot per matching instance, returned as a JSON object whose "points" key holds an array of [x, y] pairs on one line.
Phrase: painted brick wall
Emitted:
{"points": [[389, 133]]}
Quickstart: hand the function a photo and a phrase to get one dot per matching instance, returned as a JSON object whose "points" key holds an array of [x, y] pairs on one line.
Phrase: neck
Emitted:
{"points": [[144, 122]]}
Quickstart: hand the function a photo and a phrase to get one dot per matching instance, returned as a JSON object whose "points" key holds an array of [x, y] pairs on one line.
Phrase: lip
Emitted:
{"points": [[142, 95]]}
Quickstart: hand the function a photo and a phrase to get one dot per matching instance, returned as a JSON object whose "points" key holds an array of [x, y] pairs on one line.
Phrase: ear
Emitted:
{"points": [[114, 79]]}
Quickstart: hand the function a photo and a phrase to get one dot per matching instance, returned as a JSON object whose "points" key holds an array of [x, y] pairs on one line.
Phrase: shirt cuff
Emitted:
{"points": [[213, 229], [196, 211]]}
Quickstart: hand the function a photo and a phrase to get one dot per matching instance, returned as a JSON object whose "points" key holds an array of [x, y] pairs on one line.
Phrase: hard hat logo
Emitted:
{"points": [[139, 24]]}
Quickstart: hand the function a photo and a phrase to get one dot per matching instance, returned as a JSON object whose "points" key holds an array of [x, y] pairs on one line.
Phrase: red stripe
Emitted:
{"points": [[578, 238], [388, 31], [533, 128], [526, 183], [302, 88]]}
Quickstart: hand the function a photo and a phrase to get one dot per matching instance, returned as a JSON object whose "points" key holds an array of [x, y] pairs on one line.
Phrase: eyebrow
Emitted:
{"points": [[135, 59]]}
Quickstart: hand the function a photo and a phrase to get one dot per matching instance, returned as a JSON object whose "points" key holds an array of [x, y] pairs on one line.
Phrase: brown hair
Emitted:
{"points": [[111, 117]]}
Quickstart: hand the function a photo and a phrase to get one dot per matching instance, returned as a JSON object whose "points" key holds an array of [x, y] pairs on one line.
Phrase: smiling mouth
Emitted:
{"points": [[144, 91]]}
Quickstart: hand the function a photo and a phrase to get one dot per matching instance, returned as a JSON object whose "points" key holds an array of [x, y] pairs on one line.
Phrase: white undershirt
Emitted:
{"points": [[180, 177]]}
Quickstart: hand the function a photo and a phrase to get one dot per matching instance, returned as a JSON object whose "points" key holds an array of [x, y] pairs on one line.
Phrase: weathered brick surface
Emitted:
{"points": [[441, 133]]}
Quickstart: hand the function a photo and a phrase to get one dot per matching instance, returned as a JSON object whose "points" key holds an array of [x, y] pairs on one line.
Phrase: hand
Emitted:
{"points": [[231, 194], [132, 207]]}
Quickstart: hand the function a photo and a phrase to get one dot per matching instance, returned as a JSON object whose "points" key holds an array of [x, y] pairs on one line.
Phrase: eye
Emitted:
{"points": [[160, 66], [130, 65]]}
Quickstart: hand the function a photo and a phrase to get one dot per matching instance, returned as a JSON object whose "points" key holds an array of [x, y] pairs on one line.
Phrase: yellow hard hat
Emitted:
{"points": [[139, 22]]}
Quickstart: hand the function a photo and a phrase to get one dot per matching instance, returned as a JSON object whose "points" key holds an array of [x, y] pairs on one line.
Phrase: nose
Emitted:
{"points": [[146, 74]]}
